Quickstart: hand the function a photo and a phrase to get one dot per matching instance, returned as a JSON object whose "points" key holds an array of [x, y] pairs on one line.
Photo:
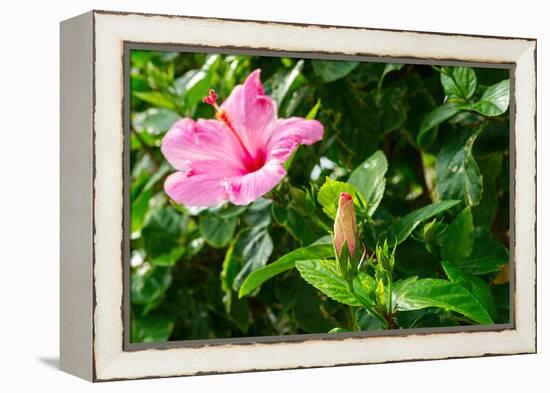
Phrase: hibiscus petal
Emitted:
{"points": [[251, 112], [195, 190], [189, 142], [287, 134], [244, 189]]}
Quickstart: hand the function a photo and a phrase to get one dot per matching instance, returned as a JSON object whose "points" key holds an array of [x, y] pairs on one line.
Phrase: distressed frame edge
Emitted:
{"points": [[528, 340]]}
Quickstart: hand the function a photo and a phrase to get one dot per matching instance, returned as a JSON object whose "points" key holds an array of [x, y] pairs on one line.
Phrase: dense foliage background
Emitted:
{"points": [[432, 140]]}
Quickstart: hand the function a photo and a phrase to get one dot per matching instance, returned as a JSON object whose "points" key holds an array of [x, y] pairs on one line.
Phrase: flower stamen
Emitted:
{"points": [[222, 116]]}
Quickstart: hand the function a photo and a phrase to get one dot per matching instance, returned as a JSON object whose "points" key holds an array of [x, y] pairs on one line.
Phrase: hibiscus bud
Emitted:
{"points": [[345, 225]]}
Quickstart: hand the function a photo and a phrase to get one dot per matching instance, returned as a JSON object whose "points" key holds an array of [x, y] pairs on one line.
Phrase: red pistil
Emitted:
{"points": [[252, 164], [211, 99]]}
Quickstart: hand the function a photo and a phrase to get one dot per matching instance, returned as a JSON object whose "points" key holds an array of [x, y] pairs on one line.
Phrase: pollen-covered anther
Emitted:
{"points": [[211, 99]]}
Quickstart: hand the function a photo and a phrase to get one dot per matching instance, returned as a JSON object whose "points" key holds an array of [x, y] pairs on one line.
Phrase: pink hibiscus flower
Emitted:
{"points": [[239, 156]]}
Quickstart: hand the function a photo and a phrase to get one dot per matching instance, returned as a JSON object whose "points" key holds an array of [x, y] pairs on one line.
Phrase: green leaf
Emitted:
{"points": [[457, 173], [432, 292], [370, 180], [329, 194], [413, 259], [284, 82], [459, 238], [254, 246], [238, 311], [475, 285], [338, 330], [148, 286], [312, 114], [501, 294], [323, 275], [494, 101], [299, 226], [432, 120], [169, 258], [151, 328], [230, 269], [258, 213], [155, 98], [488, 254], [154, 120], [403, 227], [389, 67], [164, 229], [367, 322], [284, 263], [307, 310], [426, 317], [331, 70], [392, 109], [217, 231], [364, 287], [228, 210], [139, 208], [458, 82], [195, 87], [490, 168]]}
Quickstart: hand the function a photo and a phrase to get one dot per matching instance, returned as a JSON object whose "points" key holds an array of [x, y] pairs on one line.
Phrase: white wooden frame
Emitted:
{"points": [[92, 175]]}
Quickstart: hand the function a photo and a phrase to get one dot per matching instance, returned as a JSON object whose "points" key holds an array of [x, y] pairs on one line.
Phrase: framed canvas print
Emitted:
{"points": [[244, 195]]}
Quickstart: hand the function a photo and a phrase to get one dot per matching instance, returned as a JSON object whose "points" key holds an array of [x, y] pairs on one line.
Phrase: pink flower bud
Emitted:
{"points": [[345, 224]]}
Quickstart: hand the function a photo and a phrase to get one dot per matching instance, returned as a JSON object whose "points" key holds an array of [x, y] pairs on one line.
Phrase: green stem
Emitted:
{"points": [[353, 323]]}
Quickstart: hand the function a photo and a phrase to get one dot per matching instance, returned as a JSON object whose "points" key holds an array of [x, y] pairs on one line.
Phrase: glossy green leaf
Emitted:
{"points": [[488, 254], [217, 231], [254, 246], [366, 321], [163, 230], [284, 82], [151, 328], [307, 310], [331, 70], [155, 98], [370, 180], [154, 120], [392, 109], [364, 287], [230, 268], [458, 82], [432, 120], [491, 168], [457, 173], [312, 114], [238, 311], [299, 226], [323, 275], [403, 227], [329, 194], [284, 263], [459, 237], [494, 100], [148, 286], [475, 285], [169, 258], [196, 87], [338, 330], [139, 208], [388, 68], [432, 292]]}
